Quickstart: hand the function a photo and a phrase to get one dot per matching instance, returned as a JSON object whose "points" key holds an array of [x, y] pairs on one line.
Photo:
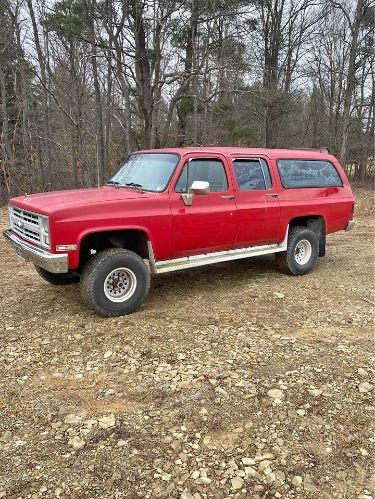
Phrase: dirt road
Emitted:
{"points": [[232, 381]]}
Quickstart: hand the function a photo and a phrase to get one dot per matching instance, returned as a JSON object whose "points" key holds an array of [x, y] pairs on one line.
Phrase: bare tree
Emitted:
{"points": [[82, 83]]}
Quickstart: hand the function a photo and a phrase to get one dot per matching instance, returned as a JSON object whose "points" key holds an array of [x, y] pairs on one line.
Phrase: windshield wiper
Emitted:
{"points": [[130, 185], [112, 182], [133, 185]]}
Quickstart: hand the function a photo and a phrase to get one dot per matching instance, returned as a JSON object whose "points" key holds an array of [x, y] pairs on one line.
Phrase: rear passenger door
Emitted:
{"points": [[258, 209]]}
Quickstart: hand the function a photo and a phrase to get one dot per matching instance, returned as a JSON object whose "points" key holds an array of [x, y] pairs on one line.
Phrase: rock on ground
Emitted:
{"points": [[231, 381]]}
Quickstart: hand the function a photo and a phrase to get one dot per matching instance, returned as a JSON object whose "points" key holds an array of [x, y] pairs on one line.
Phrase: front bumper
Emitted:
{"points": [[57, 264], [350, 225]]}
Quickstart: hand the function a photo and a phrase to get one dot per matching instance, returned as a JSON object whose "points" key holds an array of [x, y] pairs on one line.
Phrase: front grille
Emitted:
{"points": [[28, 225]]}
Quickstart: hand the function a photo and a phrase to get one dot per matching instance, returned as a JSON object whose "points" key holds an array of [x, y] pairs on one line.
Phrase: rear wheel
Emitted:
{"points": [[57, 279], [115, 282], [302, 252]]}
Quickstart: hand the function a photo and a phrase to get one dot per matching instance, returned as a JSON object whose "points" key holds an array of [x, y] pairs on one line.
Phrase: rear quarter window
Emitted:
{"points": [[308, 173]]}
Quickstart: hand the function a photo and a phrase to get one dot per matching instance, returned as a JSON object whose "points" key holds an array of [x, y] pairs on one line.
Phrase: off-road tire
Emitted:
{"points": [[57, 279], [286, 260], [97, 270]]}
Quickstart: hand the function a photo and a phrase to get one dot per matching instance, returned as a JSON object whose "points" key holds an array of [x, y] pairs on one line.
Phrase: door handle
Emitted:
{"points": [[227, 197], [272, 195]]}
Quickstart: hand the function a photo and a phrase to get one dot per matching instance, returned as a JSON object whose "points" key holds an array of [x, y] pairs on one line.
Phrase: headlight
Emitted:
{"points": [[44, 230]]}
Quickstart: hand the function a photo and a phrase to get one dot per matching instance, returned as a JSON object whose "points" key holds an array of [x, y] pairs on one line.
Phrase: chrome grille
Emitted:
{"points": [[28, 225]]}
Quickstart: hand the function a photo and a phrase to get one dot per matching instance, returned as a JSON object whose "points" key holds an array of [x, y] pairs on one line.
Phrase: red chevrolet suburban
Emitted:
{"points": [[171, 209]]}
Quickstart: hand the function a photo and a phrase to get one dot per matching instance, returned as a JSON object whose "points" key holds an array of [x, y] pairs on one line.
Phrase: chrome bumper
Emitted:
{"points": [[350, 225], [57, 264]]}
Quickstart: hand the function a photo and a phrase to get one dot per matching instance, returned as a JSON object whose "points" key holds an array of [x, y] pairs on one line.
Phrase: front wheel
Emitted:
{"points": [[115, 282], [57, 279], [302, 252]]}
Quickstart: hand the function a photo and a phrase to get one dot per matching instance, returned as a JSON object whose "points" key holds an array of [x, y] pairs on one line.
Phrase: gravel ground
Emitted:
{"points": [[232, 381]]}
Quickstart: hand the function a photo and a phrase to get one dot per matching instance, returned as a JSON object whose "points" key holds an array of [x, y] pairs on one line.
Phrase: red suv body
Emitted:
{"points": [[180, 208]]}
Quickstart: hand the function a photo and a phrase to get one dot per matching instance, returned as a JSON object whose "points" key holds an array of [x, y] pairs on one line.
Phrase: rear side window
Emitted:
{"points": [[308, 173], [252, 174], [209, 170]]}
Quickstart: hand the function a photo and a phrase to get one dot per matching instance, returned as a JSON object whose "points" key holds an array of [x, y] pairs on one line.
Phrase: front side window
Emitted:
{"points": [[146, 171], [252, 174], [209, 170], [308, 173]]}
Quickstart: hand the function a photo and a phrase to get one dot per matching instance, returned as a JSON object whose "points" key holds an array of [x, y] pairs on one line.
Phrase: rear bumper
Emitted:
{"points": [[350, 225], [57, 264]]}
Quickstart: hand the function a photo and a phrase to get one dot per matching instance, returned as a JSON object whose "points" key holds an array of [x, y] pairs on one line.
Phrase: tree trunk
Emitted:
{"points": [[46, 127], [90, 16], [272, 47], [185, 105], [126, 96], [7, 154], [350, 81], [142, 70]]}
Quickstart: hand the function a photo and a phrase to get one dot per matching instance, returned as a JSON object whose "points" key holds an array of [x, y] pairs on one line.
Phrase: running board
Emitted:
{"points": [[162, 266]]}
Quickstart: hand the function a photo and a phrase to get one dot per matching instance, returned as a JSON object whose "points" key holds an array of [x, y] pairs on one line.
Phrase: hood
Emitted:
{"points": [[50, 201]]}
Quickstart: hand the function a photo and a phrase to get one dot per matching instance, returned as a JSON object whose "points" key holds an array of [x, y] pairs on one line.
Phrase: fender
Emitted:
{"points": [[305, 215], [75, 254]]}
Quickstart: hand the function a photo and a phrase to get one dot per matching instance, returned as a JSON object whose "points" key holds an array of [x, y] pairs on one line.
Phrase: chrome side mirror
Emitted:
{"points": [[200, 187]]}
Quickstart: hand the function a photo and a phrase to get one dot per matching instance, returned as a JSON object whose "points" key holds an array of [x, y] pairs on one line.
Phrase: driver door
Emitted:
{"points": [[209, 224]]}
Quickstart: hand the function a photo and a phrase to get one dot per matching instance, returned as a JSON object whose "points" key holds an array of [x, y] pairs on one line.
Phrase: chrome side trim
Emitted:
{"points": [[350, 225], [57, 264], [162, 266]]}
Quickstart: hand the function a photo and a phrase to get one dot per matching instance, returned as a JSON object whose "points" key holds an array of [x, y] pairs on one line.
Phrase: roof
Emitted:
{"points": [[321, 153]]}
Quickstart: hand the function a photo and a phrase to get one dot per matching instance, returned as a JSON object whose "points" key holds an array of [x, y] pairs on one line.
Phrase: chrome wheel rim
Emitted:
{"points": [[120, 284], [302, 252]]}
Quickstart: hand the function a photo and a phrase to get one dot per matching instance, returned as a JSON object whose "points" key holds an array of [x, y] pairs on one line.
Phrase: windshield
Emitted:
{"points": [[146, 171]]}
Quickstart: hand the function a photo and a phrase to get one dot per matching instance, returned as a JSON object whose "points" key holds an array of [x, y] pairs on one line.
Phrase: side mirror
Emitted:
{"points": [[200, 187]]}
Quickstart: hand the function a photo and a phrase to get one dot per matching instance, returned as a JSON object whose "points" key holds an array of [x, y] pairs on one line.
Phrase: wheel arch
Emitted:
{"points": [[134, 239], [316, 223]]}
